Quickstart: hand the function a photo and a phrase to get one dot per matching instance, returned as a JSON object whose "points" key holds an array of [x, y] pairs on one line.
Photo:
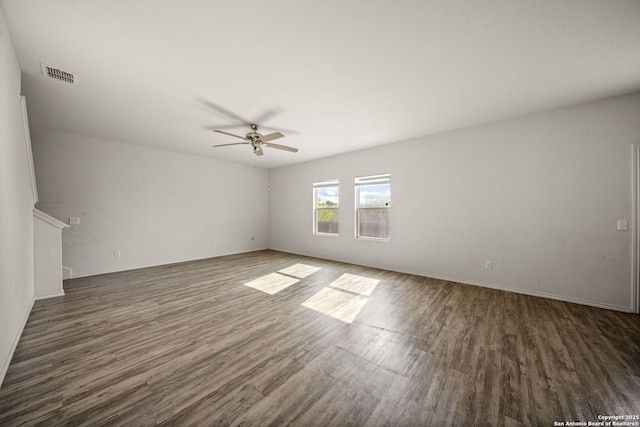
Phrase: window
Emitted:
{"points": [[326, 217], [373, 197]]}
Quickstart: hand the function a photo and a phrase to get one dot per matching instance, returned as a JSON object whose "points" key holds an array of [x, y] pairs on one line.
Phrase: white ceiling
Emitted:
{"points": [[333, 75]]}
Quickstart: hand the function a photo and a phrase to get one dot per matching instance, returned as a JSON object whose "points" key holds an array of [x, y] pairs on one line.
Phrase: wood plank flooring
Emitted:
{"points": [[264, 338]]}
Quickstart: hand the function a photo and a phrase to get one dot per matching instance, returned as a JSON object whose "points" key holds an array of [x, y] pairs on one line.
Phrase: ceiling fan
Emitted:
{"points": [[257, 140]]}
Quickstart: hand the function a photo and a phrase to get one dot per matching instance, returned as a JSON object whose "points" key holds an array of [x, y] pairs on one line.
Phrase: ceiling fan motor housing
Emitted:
{"points": [[253, 137], [256, 140]]}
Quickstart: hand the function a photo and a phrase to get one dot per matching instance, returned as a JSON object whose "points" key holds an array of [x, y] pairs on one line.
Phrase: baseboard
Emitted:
{"points": [[526, 292], [56, 294], [538, 294], [16, 339], [81, 274], [546, 295]]}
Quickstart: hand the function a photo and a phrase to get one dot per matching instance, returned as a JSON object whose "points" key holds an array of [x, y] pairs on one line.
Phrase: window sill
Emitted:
{"points": [[373, 239]]}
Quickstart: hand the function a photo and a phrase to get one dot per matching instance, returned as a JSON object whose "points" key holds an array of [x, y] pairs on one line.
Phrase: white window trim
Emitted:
{"points": [[325, 184], [368, 180]]}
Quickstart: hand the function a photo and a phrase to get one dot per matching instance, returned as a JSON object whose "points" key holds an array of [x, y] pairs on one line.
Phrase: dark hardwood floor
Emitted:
{"points": [[268, 338]]}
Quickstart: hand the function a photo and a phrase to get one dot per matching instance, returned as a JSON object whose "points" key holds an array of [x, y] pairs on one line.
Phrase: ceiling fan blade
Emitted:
{"points": [[271, 136], [278, 128], [230, 134], [281, 147], [212, 127], [269, 114], [226, 145], [224, 112], [258, 150]]}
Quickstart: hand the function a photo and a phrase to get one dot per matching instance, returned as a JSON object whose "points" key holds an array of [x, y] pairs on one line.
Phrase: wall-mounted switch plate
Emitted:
{"points": [[74, 221], [488, 265], [116, 254], [623, 225]]}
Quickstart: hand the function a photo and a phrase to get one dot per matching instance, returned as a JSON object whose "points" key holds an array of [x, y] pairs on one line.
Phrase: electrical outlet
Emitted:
{"points": [[74, 221], [116, 254], [622, 225], [488, 265], [253, 237]]}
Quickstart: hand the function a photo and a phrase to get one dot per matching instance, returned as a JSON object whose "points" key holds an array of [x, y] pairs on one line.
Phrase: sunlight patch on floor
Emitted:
{"points": [[299, 270], [337, 304], [358, 284], [344, 298], [272, 283]]}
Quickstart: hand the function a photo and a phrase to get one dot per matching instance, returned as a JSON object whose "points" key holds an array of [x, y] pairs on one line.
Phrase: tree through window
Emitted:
{"points": [[326, 217]]}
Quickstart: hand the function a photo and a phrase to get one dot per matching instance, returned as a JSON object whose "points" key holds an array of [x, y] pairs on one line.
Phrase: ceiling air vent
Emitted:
{"points": [[57, 74]]}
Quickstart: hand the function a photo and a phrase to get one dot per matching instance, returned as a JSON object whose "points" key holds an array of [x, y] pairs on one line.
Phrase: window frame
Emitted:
{"points": [[332, 183], [360, 182]]}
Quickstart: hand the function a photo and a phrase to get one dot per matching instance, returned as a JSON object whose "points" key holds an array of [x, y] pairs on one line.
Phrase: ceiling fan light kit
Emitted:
{"points": [[257, 140]]}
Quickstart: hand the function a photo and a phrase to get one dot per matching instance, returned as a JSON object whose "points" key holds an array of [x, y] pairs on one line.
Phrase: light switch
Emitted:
{"points": [[623, 225]]}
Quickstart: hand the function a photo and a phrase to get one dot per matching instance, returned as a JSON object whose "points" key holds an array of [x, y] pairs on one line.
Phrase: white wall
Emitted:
{"points": [[16, 205], [155, 207], [538, 195]]}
